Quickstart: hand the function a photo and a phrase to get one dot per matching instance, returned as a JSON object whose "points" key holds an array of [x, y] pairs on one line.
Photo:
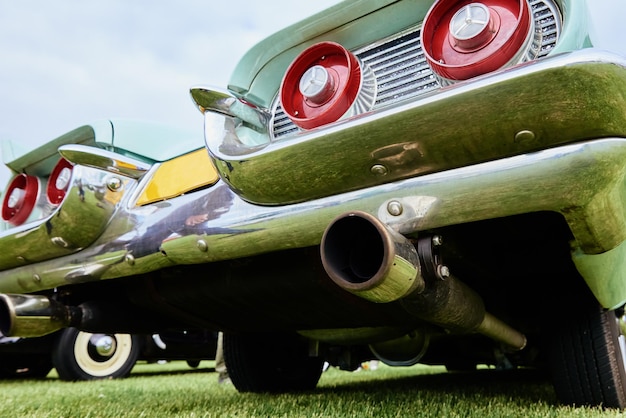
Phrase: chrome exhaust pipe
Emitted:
{"points": [[38, 315], [34, 315], [453, 305], [366, 257]]}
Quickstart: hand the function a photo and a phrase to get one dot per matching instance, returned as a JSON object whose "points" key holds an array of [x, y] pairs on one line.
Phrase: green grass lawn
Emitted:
{"points": [[175, 390]]}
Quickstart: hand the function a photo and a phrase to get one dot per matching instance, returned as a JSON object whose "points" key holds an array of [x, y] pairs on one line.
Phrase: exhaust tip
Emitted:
{"points": [[365, 257], [354, 248], [5, 317]]}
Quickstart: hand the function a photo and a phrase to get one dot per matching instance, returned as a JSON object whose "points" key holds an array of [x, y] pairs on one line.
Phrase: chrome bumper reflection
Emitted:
{"points": [[100, 181], [583, 182]]}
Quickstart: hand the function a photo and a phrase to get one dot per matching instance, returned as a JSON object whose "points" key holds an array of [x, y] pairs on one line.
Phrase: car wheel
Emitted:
{"points": [[588, 357], [24, 367], [194, 364], [270, 363], [85, 356]]}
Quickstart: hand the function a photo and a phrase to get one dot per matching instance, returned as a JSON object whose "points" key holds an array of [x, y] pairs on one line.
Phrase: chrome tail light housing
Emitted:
{"points": [[464, 39], [20, 199], [29, 197], [325, 83], [59, 181]]}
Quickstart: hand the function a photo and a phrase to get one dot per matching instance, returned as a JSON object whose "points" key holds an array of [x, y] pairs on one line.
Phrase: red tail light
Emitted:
{"points": [[320, 85], [463, 39], [20, 199], [59, 181]]}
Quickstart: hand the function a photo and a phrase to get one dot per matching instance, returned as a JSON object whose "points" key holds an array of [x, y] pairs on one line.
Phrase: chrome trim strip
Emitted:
{"points": [[105, 160], [142, 183], [222, 102], [213, 100]]}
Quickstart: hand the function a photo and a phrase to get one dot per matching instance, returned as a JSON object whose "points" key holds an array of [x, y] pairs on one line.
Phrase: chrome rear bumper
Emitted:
{"points": [[584, 182]]}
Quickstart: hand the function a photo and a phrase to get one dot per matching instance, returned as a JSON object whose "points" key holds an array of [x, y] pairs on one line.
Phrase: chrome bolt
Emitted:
{"points": [[316, 85], [443, 271], [114, 184], [437, 240], [130, 259], [394, 208], [37, 278], [202, 245], [524, 136], [105, 346], [379, 169], [468, 25], [59, 241]]}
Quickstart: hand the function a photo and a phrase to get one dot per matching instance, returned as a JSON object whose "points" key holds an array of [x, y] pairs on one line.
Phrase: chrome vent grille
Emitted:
{"points": [[548, 23], [400, 67], [401, 70]]}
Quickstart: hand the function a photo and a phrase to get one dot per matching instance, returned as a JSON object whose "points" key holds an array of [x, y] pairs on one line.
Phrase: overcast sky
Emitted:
{"points": [[65, 63]]}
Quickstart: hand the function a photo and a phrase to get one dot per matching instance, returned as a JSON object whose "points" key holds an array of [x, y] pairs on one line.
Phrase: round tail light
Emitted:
{"points": [[20, 199], [463, 39], [321, 85], [59, 181]]}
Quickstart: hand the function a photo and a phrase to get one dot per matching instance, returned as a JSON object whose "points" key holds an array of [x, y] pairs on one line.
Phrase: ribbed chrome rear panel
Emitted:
{"points": [[401, 70], [400, 67], [548, 22]]}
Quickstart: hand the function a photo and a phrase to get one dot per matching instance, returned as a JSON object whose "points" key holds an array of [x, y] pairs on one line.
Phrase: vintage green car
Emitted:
{"points": [[414, 181], [30, 235]]}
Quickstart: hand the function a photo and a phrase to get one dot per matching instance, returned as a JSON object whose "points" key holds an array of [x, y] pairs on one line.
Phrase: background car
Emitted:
{"points": [[78, 355]]}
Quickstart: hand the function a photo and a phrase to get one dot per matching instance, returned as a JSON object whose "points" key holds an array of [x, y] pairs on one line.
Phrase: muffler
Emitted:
{"points": [[34, 315], [365, 257]]}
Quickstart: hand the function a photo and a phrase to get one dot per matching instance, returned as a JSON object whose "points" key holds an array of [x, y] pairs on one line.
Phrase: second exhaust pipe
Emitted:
{"points": [[34, 315]]}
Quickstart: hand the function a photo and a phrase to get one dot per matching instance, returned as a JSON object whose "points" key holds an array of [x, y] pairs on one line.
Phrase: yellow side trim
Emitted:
{"points": [[180, 175]]}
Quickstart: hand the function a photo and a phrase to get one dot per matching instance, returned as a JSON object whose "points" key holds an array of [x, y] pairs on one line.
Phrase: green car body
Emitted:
{"points": [[410, 181]]}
